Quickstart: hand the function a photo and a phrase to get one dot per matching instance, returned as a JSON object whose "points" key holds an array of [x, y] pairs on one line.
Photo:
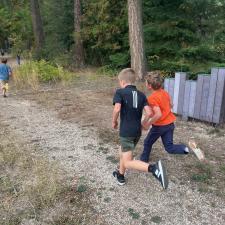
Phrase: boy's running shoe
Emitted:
{"points": [[120, 178], [118, 170], [159, 172], [198, 152]]}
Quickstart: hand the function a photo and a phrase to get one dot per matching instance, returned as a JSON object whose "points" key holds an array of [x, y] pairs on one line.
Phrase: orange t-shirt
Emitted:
{"points": [[161, 98]]}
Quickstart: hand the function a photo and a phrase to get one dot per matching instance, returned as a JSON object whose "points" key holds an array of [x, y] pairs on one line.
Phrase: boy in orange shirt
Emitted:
{"points": [[162, 121]]}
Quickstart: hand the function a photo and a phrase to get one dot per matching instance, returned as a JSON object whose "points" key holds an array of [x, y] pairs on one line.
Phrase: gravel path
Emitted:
{"points": [[78, 150]]}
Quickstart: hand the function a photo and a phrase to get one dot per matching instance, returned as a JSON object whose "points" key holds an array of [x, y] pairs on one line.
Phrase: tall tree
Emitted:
{"points": [[37, 24], [136, 37], [79, 51]]}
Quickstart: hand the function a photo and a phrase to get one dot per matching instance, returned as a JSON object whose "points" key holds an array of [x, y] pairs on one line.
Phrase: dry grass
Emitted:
{"points": [[32, 73], [34, 189], [27, 76]]}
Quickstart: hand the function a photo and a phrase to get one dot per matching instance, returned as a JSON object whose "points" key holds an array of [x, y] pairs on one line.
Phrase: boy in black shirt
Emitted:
{"points": [[129, 103]]}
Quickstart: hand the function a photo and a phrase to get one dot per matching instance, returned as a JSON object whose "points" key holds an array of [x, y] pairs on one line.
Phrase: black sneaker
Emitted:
{"points": [[159, 172], [120, 178]]}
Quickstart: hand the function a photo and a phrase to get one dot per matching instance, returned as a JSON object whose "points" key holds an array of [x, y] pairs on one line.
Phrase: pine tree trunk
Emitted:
{"points": [[136, 37], [78, 50], [37, 24]]}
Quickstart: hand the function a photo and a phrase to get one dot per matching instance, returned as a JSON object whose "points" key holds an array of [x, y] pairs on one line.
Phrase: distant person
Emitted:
{"points": [[162, 121], [2, 52], [18, 59], [129, 103], [5, 73]]}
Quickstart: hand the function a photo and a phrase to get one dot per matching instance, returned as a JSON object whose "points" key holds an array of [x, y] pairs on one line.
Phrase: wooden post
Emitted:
{"points": [[166, 84], [179, 89], [212, 94], [186, 100], [171, 87], [192, 98], [204, 97], [198, 96], [218, 112]]}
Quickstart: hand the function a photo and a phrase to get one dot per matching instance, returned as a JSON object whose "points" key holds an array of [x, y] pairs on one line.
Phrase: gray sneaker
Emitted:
{"points": [[159, 172], [120, 178]]}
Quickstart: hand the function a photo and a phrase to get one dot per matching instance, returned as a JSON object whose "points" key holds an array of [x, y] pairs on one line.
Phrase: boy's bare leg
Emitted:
{"points": [[129, 163], [122, 169], [4, 91]]}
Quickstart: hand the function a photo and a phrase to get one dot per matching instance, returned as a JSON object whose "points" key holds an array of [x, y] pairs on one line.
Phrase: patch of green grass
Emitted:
{"points": [[81, 188], [156, 219], [103, 150], [133, 214], [107, 199], [216, 131], [203, 189], [203, 173], [200, 177], [213, 131], [222, 169], [7, 185], [82, 178], [99, 194], [112, 159]]}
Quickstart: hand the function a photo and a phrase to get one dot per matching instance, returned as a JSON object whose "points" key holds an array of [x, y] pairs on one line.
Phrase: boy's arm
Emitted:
{"points": [[147, 116], [10, 71], [116, 113], [157, 115]]}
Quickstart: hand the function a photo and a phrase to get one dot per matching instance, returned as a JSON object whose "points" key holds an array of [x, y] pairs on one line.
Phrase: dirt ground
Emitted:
{"points": [[72, 126]]}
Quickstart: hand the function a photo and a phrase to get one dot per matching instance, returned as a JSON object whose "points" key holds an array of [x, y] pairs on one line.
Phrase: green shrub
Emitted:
{"points": [[202, 52], [169, 67], [119, 60], [32, 73], [107, 70]]}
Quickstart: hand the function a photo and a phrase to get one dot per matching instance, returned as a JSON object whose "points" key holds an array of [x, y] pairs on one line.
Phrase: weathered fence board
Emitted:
{"points": [[192, 98], [171, 88], [166, 84], [204, 97], [186, 100], [222, 120], [212, 94], [218, 106], [179, 88], [198, 96]]}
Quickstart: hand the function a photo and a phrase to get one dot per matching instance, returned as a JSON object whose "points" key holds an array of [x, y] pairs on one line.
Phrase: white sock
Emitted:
{"points": [[186, 150]]}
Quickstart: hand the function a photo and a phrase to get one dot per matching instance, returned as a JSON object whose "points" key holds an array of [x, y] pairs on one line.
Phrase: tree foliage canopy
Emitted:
{"points": [[179, 34]]}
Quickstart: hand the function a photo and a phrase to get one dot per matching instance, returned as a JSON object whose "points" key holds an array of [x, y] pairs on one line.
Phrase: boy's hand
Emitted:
{"points": [[145, 126], [114, 124]]}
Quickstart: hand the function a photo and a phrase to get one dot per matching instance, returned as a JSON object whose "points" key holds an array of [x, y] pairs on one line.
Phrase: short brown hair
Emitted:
{"points": [[154, 79], [128, 75], [4, 60]]}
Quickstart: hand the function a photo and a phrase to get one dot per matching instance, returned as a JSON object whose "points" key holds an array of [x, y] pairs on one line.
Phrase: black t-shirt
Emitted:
{"points": [[132, 103]]}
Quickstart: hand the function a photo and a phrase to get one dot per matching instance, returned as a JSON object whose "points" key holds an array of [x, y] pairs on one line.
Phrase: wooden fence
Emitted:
{"points": [[203, 99]]}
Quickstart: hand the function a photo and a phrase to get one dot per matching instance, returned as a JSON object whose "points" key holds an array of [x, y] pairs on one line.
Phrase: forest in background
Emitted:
{"points": [[179, 35]]}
